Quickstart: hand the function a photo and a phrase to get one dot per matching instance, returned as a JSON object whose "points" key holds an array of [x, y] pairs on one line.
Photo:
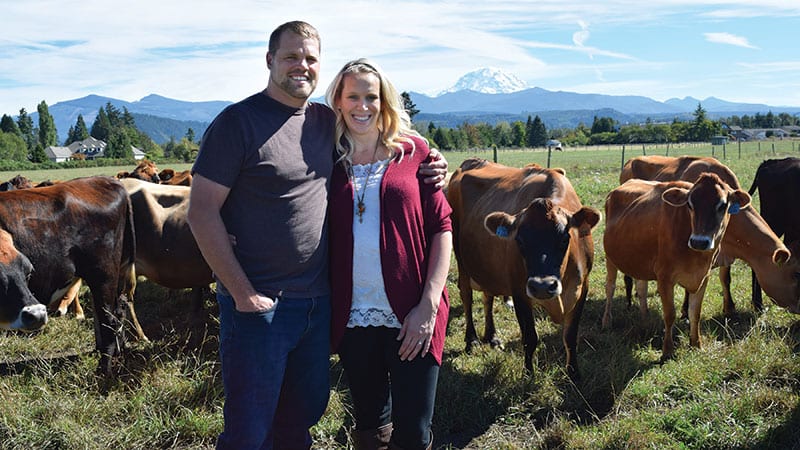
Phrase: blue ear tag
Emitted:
{"points": [[501, 231], [734, 208]]}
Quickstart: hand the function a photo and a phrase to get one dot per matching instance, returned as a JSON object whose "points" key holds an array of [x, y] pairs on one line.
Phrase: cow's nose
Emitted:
{"points": [[701, 243], [33, 317], [544, 288]]}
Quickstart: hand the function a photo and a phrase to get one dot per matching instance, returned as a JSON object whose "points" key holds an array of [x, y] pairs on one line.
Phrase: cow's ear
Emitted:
{"points": [[739, 197], [501, 225], [781, 256], [675, 196], [585, 216]]}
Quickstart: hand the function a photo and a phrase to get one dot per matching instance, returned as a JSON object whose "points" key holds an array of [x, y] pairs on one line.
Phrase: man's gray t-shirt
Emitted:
{"points": [[277, 161]]}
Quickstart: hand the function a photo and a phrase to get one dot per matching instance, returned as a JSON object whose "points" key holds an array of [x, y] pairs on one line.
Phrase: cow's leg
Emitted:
{"points": [[60, 304], [758, 302], [130, 288], [489, 330], [570, 334], [641, 293], [667, 292], [527, 328], [628, 289], [465, 290], [685, 305], [728, 307], [611, 281], [695, 303], [109, 314]]}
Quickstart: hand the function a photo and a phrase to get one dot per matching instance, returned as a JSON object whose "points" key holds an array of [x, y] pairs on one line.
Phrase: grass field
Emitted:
{"points": [[741, 390]]}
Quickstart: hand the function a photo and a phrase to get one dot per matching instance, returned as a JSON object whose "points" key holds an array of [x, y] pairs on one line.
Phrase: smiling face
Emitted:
{"points": [[293, 69], [360, 103]]}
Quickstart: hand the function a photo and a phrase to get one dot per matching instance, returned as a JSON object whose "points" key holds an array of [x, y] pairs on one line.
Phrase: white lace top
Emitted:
{"points": [[370, 305]]}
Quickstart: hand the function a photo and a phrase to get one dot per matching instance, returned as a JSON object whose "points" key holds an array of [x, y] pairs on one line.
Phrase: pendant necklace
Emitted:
{"points": [[360, 205]]}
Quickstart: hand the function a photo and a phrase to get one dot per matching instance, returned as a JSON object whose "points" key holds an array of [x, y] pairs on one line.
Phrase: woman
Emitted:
{"points": [[390, 240]]}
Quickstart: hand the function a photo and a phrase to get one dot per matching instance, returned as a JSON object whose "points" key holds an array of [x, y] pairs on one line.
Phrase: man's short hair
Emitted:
{"points": [[297, 27]]}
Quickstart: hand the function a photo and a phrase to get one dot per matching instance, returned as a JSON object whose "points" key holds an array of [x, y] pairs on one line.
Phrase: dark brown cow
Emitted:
{"points": [[81, 228], [648, 226], [524, 233], [778, 183], [166, 252], [169, 176], [687, 168]]}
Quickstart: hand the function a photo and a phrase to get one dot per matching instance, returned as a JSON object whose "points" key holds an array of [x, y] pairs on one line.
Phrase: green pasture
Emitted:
{"points": [[740, 391]]}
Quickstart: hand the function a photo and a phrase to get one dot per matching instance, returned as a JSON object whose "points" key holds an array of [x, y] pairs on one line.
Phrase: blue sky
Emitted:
{"points": [[745, 50]]}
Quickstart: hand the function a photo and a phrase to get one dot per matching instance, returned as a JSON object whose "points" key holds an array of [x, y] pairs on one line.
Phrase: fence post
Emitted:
{"points": [[667, 148], [494, 151], [740, 149], [712, 152], [773, 148], [724, 152], [549, 152], [622, 163], [644, 152]]}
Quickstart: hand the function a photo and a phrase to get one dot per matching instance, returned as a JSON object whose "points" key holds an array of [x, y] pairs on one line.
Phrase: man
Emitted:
{"points": [[258, 212]]}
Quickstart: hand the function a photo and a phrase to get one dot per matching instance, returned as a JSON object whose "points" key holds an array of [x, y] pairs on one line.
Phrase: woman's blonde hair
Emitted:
{"points": [[394, 123]]}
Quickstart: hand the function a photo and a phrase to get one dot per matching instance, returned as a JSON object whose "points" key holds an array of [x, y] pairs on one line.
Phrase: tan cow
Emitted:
{"points": [[166, 252], [669, 232], [524, 233], [686, 168]]}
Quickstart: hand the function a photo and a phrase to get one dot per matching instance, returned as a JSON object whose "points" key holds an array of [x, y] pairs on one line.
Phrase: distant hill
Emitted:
{"points": [[159, 117]]}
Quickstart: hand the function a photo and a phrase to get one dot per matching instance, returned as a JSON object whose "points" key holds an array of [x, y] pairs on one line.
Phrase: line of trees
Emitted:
{"points": [[21, 141], [603, 131]]}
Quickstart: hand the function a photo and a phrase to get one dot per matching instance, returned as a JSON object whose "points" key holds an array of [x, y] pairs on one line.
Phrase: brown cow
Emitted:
{"points": [[687, 168], [182, 178], [648, 226], [81, 228], [524, 233], [146, 170]]}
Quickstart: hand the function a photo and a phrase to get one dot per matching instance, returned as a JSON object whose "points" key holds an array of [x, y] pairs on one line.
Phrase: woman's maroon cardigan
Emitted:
{"points": [[411, 213]]}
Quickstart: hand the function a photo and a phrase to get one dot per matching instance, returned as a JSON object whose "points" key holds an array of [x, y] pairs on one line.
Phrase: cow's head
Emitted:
{"points": [[147, 171], [19, 310], [710, 202], [783, 285], [543, 232]]}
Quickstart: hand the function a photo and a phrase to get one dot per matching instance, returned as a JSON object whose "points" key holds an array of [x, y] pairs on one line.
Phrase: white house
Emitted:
{"points": [[90, 147], [58, 154]]}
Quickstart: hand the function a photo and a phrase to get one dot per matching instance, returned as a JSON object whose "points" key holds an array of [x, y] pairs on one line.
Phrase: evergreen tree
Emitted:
{"points": [[26, 129], [101, 128], [119, 146], [38, 155], [190, 134], [114, 116], [537, 133], [127, 118], [7, 125], [409, 105], [47, 126], [78, 132]]}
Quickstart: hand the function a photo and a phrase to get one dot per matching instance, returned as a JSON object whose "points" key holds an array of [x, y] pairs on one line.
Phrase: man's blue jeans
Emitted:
{"points": [[275, 369]]}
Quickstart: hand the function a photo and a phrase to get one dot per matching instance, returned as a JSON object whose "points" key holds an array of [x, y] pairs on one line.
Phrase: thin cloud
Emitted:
{"points": [[729, 39]]}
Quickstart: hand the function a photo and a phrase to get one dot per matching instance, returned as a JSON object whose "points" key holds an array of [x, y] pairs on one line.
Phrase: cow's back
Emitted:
{"points": [[69, 229], [167, 252]]}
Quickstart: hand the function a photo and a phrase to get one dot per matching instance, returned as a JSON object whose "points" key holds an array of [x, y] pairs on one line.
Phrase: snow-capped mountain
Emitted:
{"points": [[488, 80]]}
